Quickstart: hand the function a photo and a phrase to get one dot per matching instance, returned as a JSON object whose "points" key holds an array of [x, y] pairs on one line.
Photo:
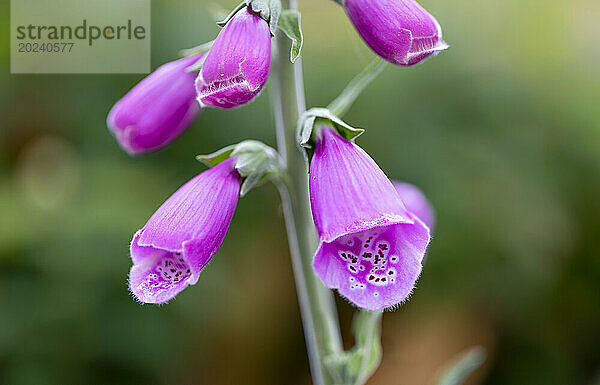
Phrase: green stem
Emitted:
{"points": [[319, 316], [344, 101]]}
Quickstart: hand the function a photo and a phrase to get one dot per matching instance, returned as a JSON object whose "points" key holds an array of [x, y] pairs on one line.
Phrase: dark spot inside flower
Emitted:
{"points": [[371, 277], [367, 255]]}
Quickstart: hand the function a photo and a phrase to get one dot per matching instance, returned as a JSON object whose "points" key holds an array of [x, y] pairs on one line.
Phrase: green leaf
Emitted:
{"points": [[458, 371], [289, 23]]}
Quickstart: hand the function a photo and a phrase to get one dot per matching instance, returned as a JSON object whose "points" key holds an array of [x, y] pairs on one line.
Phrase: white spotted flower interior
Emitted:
{"points": [[371, 247]]}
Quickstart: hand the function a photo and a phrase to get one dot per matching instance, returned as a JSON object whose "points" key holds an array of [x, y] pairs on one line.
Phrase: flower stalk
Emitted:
{"points": [[341, 105], [319, 316]]}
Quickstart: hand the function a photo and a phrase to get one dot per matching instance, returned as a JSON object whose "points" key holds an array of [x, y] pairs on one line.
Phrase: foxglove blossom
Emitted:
{"points": [[416, 202], [157, 110], [181, 237], [400, 31], [238, 64], [371, 247]]}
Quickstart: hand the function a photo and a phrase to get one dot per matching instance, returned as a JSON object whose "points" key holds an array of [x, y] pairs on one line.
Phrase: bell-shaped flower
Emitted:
{"points": [[157, 110], [415, 201], [400, 31], [238, 64], [181, 237], [371, 247]]}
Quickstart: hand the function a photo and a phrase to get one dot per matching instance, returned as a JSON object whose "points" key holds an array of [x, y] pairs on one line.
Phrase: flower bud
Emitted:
{"points": [[416, 202], [238, 64], [157, 110], [400, 31]]}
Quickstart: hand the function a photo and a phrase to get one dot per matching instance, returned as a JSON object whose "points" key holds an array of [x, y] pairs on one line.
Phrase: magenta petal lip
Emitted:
{"points": [[157, 110], [371, 248], [238, 64], [177, 242], [375, 268], [400, 31]]}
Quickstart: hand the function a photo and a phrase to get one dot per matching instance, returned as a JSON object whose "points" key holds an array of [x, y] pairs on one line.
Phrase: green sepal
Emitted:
{"points": [[213, 159], [457, 372], [309, 126], [289, 23], [268, 10], [231, 14], [358, 364], [256, 162]]}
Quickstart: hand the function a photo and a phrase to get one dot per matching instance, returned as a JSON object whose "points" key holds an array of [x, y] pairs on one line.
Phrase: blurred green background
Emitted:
{"points": [[502, 132]]}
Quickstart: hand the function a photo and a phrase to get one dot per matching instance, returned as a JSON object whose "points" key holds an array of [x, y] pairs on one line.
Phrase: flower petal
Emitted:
{"points": [[157, 110], [416, 202], [371, 248], [238, 64], [375, 268], [400, 31], [186, 232], [348, 191]]}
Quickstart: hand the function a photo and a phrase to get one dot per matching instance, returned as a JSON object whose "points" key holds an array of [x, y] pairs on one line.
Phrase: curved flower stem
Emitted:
{"points": [[344, 101], [319, 316]]}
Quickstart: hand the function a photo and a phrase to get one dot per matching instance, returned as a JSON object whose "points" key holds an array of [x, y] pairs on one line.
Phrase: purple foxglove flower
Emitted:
{"points": [[169, 252], [371, 247], [238, 64], [400, 31], [157, 110], [416, 202]]}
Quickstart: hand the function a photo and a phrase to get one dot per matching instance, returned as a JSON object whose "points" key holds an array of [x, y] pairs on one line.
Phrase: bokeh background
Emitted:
{"points": [[502, 132]]}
